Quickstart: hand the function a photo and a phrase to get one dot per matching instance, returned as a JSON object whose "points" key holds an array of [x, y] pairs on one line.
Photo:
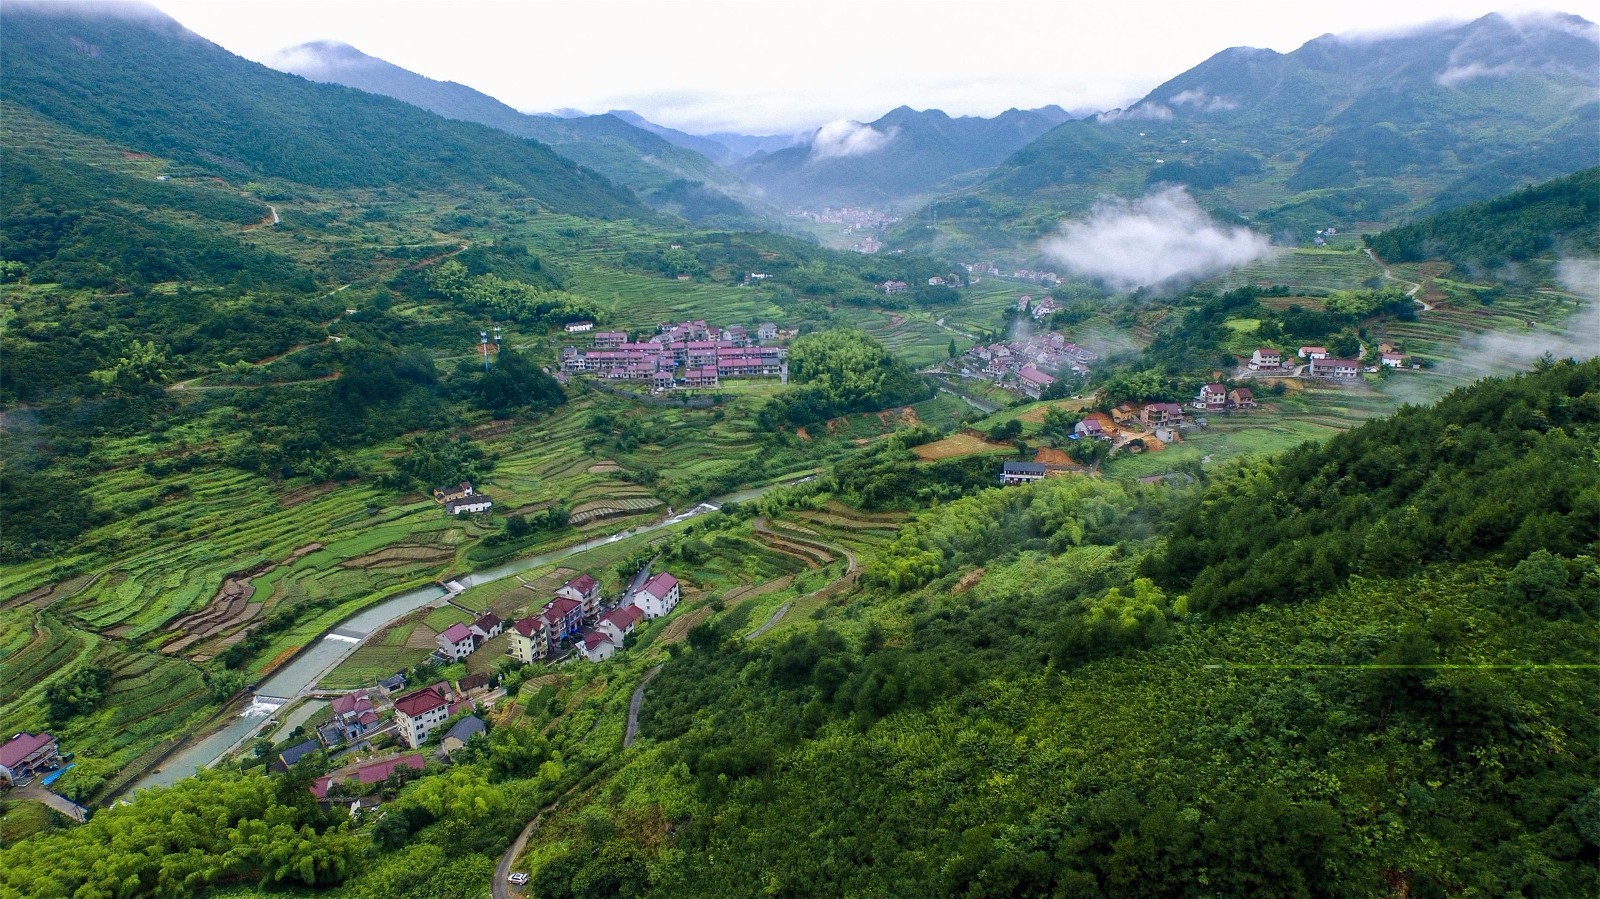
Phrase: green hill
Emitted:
{"points": [[1340, 131], [135, 77], [664, 175], [1557, 218], [905, 154]]}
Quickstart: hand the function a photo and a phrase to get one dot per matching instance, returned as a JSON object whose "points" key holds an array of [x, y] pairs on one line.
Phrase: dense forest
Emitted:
{"points": [[1553, 218]]}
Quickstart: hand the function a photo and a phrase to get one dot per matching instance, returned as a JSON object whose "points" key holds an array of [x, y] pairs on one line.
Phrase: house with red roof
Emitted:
{"points": [[530, 640], [563, 617], [1212, 398], [584, 590], [1034, 382], [1323, 367], [598, 646], [487, 627], [1265, 357], [620, 622], [1313, 352], [1393, 360], [418, 714], [361, 780], [457, 641], [659, 595], [26, 754], [1241, 398]]}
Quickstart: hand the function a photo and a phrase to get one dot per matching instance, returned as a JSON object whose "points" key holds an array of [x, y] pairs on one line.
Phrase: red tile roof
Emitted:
{"points": [[367, 775], [351, 703], [456, 633], [624, 617], [418, 703], [488, 621], [528, 626], [594, 640], [660, 585], [21, 746], [583, 583]]}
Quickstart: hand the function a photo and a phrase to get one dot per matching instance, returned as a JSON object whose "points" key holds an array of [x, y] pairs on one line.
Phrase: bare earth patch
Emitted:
{"points": [[605, 466], [956, 446]]}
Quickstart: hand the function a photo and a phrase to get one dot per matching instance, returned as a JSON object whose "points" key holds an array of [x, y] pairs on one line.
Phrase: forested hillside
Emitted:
{"points": [[134, 77], [1552, 219], [1009, 706], [1339, 131]]}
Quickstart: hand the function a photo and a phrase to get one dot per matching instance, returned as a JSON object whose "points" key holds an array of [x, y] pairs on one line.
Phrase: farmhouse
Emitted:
{"points": [[530, 640], [472, 504], [579, 327], [1393, 360], [353, 715], [619, 622], [701, 377], [446, 494], [457, 641], [658, 596], [295, 753], [488, 626], [1013, 473], [893, 287], [1313, 352], [1241, 398], [1212, 398], [1265, 357], [1090, 427], [604, 340], [366, 776], [1323, 367], [1034, 382], [598, 646], [1161, 414], [585, 590], [457, 736], [26, 754], [562, 617], [769, 331], [418, 714]]}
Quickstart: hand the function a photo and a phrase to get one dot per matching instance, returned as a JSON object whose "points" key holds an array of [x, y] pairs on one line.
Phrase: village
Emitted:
{"points": [[374, 739], [680, 355]]}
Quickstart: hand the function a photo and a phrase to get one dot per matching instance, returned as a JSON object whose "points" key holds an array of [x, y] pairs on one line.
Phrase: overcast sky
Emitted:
{"points": [[769, 67]]}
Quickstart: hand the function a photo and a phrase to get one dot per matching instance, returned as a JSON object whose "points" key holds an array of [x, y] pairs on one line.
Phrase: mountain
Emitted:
{"points": [[1342, 130], [662, 173], [132, 76], [890, 161], [1560, 217], [726, 147]]}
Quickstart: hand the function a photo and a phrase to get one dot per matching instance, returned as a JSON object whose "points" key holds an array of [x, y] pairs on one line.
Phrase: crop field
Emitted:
{"points": [[958, 445], [1324, 268]]}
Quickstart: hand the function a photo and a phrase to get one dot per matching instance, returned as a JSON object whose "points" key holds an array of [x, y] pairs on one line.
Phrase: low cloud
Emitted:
{"points": [[1459, 75], [1201, 101], [842, 138], [1160, 240], [1152, 111]]}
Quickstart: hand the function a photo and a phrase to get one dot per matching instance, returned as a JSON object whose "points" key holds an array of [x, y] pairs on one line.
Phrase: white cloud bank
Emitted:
{"points": [[843, 137], [1161, 239]]}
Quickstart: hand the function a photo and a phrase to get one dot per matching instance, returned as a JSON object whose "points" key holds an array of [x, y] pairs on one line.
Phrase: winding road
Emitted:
{"points": [[1389, 276], [636, 703]]}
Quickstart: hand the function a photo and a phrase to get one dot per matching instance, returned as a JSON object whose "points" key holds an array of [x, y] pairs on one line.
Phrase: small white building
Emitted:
{"points": [[579, 327], [473, 504], [620, 622], [1313, 352], [659, 596], [1013, 473], [457, 641], [488, 626], [598, 646], [418, 714], [1265, 357], [1393, 360]]}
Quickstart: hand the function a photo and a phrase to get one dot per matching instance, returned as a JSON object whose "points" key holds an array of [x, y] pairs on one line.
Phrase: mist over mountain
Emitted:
{"points": [[665, 174], [893, 159], [1343, 129]]}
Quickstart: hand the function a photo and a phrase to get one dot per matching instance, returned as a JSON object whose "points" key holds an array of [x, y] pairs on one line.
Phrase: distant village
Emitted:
{"points": [[681, 355]]}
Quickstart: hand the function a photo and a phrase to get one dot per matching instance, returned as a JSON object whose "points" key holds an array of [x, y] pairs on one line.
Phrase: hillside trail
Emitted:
{"points": [[1389, 276]]}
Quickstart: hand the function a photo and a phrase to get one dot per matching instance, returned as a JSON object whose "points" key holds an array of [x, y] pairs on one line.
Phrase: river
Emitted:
{"points": [[306, 669]]}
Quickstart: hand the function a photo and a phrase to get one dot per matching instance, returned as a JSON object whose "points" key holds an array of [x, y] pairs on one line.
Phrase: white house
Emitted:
{"points": [[473, 504], [418, 714], [1013, 473], [1313, 352], [488, 626], [457, 641], [579, 327], [1212, 397], [1265, 357], [598, 646], [584, 590], [658, 596], [619, 622], [1335, 368], [1393, 360]]}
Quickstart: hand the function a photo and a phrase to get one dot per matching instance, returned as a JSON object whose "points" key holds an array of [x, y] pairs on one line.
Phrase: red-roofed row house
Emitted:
{"points": [[356, 780], [26, 754]]}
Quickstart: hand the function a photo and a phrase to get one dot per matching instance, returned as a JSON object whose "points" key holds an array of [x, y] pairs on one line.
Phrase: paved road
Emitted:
{"points": [[770, 621], [38, 793], [1389, 276], [500, 888], [634, 705]]}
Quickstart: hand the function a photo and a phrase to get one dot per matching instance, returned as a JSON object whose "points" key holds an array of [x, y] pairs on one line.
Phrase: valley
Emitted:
{"points": [[350, 444]]}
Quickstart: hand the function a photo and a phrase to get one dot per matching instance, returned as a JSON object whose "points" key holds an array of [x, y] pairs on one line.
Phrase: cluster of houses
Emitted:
{"points": [[687, 354], [461, 640], [462, 499], [1319, 363], [1024, 363], [577, 613], [1029, 275], [26, 755]]}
